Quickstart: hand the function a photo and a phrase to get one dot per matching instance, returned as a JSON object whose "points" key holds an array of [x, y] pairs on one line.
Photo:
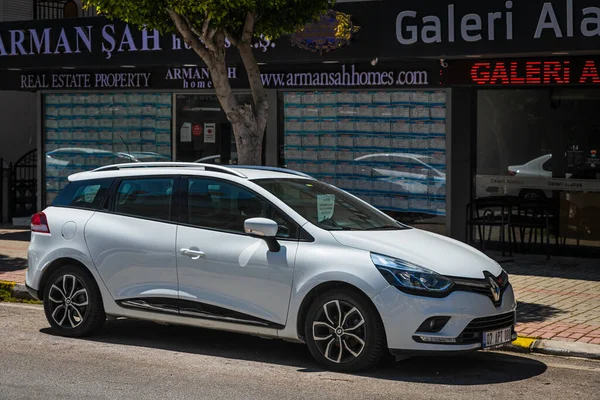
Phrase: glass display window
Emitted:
{"points": [[86, 131]]}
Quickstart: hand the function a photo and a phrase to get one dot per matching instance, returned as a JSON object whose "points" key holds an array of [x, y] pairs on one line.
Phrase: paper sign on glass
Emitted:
{"points": [[210, 132], [325, 206], [186, 132]]}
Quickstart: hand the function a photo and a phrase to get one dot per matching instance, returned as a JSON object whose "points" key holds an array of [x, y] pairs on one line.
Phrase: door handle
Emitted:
{"points": [[193, 254]]}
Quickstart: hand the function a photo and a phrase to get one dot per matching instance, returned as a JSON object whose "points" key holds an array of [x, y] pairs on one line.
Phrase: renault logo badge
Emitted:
{"points": [[495, 289]]}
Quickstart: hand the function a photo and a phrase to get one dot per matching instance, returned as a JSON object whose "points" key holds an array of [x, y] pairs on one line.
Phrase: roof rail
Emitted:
{"points": [[275, 169], [206, 167]]}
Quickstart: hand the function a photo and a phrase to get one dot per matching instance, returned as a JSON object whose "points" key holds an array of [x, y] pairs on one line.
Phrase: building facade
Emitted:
{"points": [[421, 108]]}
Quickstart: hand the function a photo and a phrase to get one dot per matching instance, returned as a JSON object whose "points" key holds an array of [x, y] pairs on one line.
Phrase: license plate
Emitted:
{"points": [[497, 338]]}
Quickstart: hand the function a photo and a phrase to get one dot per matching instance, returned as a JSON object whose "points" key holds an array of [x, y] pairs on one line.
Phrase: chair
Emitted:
{"points": [[490, 212], [535, 215]]}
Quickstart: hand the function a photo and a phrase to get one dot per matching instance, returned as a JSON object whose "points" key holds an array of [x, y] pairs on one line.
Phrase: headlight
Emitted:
{"points": [[411, 278]]}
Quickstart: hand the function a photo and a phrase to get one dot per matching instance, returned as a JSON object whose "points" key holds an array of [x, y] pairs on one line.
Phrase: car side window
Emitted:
{"points": [[547, 166], [224, 206], [147, 198], [84, 194]]}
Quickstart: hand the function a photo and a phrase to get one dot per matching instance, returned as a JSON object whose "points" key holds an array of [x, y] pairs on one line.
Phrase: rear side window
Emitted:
{"points": [[84, 194], [547, 166], [147, 198]]}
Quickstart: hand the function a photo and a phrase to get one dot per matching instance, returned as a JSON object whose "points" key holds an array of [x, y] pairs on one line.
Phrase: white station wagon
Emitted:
{"points": [[262, 251]]}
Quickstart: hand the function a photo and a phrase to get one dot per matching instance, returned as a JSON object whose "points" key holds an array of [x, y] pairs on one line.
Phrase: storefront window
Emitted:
{"points": [[386, 147], [540, 146], [86, 131]]}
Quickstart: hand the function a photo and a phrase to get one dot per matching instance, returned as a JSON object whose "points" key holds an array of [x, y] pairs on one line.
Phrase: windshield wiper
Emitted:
{"points": [[384, 227], [335, 225]]}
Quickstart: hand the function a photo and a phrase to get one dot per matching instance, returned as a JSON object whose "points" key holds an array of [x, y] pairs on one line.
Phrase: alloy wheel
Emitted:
{"points": [[68, 301], [339, 331]]}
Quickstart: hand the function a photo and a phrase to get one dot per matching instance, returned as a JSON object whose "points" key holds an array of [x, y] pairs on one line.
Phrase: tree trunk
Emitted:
{"points": [[249, 144], [247, 120]]}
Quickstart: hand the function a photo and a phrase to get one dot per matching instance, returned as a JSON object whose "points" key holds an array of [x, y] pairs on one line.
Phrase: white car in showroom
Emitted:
{"points": [[261, 251]]}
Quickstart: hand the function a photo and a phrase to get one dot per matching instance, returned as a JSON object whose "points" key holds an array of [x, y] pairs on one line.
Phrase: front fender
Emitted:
{"points": [[318, 264]]}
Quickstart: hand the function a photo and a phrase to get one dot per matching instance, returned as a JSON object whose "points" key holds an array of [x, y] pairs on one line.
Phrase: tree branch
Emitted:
{"points": [[205, 25], [259, 96], [206, 37], [248, 31], [188, 33], [234, 41]]}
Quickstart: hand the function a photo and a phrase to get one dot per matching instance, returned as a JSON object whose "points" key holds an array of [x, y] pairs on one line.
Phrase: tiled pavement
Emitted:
{"points": [[13, 254], [558, 299]]}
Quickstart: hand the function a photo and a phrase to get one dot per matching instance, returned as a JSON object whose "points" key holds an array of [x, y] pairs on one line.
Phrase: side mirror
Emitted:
{"points": [[263, 228]]}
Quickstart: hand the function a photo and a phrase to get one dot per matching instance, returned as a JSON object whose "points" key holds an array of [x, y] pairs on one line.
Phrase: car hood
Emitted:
{"points": [[438, 253]]}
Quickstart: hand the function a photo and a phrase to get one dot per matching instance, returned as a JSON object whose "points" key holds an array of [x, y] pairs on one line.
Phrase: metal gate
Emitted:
{"points": [[23, 186]]}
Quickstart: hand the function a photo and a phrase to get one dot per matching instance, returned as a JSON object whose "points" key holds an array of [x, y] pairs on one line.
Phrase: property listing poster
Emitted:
{"points": [[386, 147], [87, 131]]}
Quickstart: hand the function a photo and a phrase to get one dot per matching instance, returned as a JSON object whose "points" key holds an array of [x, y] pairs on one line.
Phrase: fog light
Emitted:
{"points": [[433, 324]]}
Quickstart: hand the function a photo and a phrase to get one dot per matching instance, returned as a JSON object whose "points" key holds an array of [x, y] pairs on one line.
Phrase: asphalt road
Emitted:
{"points": [[142, 360]]}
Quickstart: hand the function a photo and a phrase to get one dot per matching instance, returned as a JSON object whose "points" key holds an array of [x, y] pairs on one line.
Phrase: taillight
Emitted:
{"points": [[512, 173], [39, 223]]}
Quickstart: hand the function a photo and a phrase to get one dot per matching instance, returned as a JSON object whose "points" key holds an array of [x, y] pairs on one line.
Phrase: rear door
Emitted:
{"points": [[133, 243], [223, 273]]}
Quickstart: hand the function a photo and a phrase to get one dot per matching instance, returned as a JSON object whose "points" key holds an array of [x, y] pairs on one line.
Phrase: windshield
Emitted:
{"points": [[328, 207]]}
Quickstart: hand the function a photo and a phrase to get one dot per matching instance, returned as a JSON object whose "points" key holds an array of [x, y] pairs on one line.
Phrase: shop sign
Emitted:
{"points": [[523, 72], [389, 30], [78, 80], [110, 38], [346, 76], [195, 78], [332, 31], [520, 22], [555, 19]]}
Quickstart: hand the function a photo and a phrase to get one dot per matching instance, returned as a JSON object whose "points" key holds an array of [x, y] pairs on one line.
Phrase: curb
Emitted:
{"points": [[18, 291], [21, 292], [555, 348]]}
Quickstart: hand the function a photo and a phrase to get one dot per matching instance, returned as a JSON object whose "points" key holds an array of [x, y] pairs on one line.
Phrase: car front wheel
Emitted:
{"points": [[72, 302], [343, 331]]}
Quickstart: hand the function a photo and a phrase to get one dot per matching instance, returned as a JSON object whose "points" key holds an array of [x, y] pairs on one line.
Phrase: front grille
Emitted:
{"points": [[472, 333], [483, 286]]}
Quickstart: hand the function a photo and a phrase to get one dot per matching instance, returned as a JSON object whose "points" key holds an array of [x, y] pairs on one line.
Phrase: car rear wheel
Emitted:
{"points": [[343, 331], [72, 303]]}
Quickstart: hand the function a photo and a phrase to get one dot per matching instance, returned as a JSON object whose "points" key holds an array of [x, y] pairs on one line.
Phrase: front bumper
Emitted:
{"points": [[470, 315], [34, 293]]}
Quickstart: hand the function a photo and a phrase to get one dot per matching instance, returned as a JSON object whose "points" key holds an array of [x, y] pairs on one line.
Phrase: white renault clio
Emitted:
{"points": [[261, 251]]}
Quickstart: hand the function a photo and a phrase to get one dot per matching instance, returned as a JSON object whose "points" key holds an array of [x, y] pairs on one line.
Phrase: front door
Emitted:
{"points": [[224, 274], [133, 246]]}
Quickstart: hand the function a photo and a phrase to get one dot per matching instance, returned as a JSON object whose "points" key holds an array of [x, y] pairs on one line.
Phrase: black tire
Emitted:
{"points": [[371, 331], [78, 313]]}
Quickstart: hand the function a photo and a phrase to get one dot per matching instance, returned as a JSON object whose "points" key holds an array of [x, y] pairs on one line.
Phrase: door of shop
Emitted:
{"points": [[23, 186], [203, 132]]}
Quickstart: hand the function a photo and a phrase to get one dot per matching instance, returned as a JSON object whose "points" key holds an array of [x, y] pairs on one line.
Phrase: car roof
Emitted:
{"points": [[175, 168]]}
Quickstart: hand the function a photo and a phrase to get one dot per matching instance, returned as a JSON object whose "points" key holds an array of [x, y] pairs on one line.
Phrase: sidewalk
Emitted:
{"points": [[558, 299], [13, 254]]}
